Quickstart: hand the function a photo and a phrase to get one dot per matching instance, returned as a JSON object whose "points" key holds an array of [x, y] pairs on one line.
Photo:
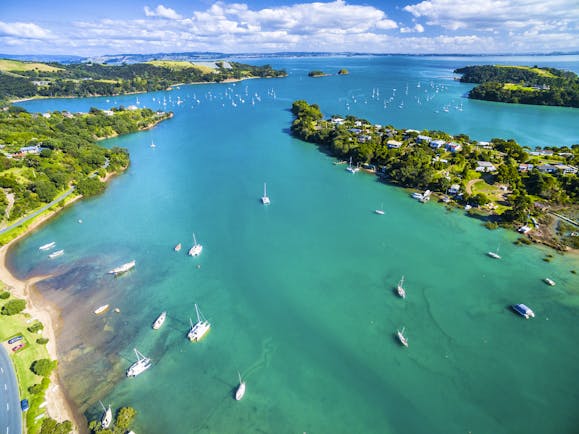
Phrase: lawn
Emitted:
{"points": [[177, 65], [512, 86], [537, 71]]}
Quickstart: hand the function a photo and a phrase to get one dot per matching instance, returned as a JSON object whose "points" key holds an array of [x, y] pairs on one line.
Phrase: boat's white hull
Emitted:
{"points": [[494, 255], [159, 321], [56, 254], [265, 200], [379, 212], [195, 250], [47, 246], [123, 268], [549, 281], [198, 330], [101, 309], [138, 367], [240, 391]]}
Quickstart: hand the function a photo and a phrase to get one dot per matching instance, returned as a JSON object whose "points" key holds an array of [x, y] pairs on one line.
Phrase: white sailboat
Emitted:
{"points": [[56, 254], [351, 168], [123, 268], [159, 321], [240, 389], [101, 309], [47, 246], [265, 199], [177, 248], [107, 417], [400, 288], [380, 211], [196, 249], [494, 255], [401, 338], [141, 365], [199, 329]]}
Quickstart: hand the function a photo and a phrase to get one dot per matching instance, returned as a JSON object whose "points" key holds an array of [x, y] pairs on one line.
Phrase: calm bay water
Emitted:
{"points": [[299, 293]]}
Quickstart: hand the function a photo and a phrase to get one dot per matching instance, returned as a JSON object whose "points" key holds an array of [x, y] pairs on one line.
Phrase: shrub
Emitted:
{"points": [[42, 341], [125, 418], [35, 327], [4, 295], [13, 307]]}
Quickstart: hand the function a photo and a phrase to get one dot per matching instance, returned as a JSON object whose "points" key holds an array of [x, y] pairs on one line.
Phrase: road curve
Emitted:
{"points": [[10, 413]]}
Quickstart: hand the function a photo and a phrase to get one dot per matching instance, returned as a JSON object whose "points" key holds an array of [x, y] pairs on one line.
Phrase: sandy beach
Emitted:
{"points": [[57, 404]]}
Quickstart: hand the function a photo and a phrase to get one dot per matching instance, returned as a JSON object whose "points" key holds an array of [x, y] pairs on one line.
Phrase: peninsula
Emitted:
{"points": [[19, 80], [498, 181], [522, 84]]}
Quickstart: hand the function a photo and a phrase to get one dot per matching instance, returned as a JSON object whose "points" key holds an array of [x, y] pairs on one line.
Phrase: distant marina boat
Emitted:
{"points": [[265, 198], [494, 255], [159, 321], [523, 310], [199, 329], [240, 389], [196, 249], [47, 246], [380, 211], [177, 247], [351, 168], [56, 254], [107, 417], [141, 365], [400, 288], [549, 282], [153, 144], [401, 338], [101, 309], [123, 268]]}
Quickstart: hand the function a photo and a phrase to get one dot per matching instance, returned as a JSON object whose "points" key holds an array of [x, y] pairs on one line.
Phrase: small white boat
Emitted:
{"points": [[199, 329], [177, 247], [523, 310], [123, 268], [401, 338], [56, 254], [380, 211], [107, 417], [549, 282], [400, 288], [47, 246], [351, 168], [196, 249], [159, 321], [240, 389], [265, 198], [101, 309], [141, 365], [494, 255], [417, 195], [153, 144]]}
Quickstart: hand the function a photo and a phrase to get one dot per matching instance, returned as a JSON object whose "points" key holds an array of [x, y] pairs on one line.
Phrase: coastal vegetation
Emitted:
{"points": [[120, 425], [45, 156], [522, 84], [343, 71], [316, 74], [26, 79], [33, 367], [500, 181]]}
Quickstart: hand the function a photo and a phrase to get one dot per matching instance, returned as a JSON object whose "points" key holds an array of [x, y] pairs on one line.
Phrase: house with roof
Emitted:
{"points": [[454, 189], [393, 144], [565, 169], [435, 144], [423, 139], [546, 168], [525, 167], [485, 166], [453, 147]]}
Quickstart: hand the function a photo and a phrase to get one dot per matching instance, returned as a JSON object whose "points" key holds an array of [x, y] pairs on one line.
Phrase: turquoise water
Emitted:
{"points": [[300, 293]]}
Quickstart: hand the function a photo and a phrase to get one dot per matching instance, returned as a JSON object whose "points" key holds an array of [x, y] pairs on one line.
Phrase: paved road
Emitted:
{"points": [[35, 213], [10, 413]]}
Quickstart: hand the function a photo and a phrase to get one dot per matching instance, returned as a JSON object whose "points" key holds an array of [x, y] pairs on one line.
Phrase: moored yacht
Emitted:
{"points": [[401, 338], [101, 309], [523, 310], [177, 247], [141, 365], [123, 268], [351, 168], [400, 288], [107, 417], [196, 249], [199, 329], [549, 282], [494, 255], [265, 198], [56, 254], [47, 246], [240, 389], [159, 321]]}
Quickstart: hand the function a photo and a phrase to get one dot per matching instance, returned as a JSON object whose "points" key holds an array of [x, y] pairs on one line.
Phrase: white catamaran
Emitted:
{"points": [[199, 329], [141, 365], [196, 249]]}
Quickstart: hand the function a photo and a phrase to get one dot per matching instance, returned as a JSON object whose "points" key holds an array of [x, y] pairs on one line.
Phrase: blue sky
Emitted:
{"points": [[373, 26]]}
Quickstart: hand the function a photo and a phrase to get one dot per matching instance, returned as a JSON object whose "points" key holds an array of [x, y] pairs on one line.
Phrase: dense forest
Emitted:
{"points": [[23, 80], [408, 158], [522, 85], [42, 156]]}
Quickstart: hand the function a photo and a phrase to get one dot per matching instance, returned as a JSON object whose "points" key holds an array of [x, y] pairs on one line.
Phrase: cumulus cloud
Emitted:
{"points": [[23, 30], [418, 28], [163, 12]]}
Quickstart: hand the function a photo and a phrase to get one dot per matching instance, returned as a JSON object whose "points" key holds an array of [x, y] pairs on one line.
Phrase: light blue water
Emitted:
{"points": [[299, 293]]}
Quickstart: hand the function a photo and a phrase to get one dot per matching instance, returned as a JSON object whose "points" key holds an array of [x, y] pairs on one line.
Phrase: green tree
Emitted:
{"points": [[43, 367], [50, 426], [125, 418], [13, 307]]}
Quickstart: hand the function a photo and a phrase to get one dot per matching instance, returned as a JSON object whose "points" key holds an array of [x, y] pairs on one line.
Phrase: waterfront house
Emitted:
{"points": [[393, 144], [485, 166], [484, 145], [454, 189], [337, 121], [525, 167], [435, 144], [546, 168], [453, 147], [565, 169], [423, 139]]}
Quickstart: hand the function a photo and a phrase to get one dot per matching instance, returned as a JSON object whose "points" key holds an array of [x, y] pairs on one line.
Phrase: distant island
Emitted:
{"points": [[522, 85], [498, 181], [343, 71], [20, 80], [47, 158], [316, 74]]}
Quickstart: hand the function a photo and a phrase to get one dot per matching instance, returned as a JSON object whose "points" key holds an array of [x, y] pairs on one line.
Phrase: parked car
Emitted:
{"points": [[17, 347], [14, 339], [24, 405]]}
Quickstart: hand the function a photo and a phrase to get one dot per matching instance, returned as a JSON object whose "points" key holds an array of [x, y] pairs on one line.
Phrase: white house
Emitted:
{"points": [[485, 166], [566, 170], [454, 189], [435, 144], [393, 144], [547, 168]]}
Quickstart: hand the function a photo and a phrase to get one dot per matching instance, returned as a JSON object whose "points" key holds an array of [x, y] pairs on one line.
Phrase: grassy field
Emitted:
{"points": [[16, 66], [537, 71], [176, 65], [512, 86]]}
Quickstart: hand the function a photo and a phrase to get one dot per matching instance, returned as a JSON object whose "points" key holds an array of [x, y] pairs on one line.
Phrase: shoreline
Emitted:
{"points": [[58, 406]]}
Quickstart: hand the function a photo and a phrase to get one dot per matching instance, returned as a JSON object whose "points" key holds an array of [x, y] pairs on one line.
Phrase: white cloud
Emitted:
{"points": [[23, 30], [418, 28], [163, 12]]}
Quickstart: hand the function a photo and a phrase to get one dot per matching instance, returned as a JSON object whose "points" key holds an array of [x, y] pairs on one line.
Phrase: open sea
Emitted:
{"points": [[300, 293]]}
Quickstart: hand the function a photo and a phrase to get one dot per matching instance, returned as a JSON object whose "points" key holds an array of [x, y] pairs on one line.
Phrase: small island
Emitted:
{"points": [[20, 80], [522, 85], [533, 191], [316, 74], [343, 71]]}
